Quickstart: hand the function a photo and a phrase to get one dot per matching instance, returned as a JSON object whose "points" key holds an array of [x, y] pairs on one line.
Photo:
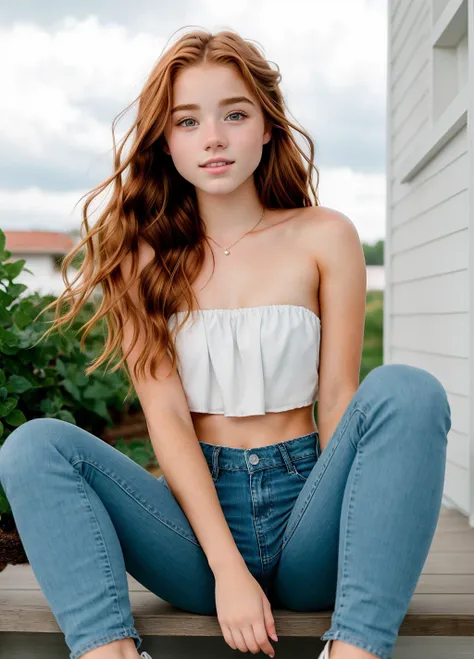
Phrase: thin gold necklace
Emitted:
{"points": [[226, 250]]}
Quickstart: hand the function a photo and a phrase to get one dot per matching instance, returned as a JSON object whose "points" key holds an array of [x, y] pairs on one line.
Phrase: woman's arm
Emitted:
{"points": [[187, 473], [342, 295], [175, 442]]}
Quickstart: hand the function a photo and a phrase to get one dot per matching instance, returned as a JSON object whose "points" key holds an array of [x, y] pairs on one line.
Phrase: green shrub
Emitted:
{"points": [[48, 380]]}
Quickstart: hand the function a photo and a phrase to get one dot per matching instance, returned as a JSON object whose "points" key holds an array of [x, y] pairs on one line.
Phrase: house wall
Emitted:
{"points": [[45, 279], [470, 19], [427, 257]]}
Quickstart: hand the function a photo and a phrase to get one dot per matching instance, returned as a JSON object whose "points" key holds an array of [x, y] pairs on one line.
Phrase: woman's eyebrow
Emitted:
{"points": [[222, 103]]}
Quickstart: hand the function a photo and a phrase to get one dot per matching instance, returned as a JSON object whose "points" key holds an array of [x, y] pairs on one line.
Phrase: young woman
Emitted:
{"points": [[236, 301]]}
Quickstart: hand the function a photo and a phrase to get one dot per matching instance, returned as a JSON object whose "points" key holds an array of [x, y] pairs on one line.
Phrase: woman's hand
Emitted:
{"points": [[243, 611]]}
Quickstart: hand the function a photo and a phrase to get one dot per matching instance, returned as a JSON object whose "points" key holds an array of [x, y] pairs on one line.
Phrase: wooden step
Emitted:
{"points": [[442, 605]]}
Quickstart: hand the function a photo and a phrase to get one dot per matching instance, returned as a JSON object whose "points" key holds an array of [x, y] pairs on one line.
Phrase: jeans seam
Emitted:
{"points": [[315, 485], [111, 577], [346, 537], [254, 521], [172, 527]]}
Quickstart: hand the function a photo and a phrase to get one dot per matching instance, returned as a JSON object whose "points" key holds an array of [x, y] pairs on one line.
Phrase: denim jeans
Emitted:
{"points": [[349, 527]]}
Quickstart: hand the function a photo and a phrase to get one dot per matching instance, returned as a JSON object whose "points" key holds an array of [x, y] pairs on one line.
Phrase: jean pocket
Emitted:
{"points": [[303, 466]]}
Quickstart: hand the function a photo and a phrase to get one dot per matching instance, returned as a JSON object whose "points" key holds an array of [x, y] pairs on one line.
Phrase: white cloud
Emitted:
{"points": [[343, 42], [35, 208], [55, 74], [361, 197]]}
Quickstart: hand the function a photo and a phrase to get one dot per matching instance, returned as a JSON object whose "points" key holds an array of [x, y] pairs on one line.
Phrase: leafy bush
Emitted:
{"points": [[48, 380]]}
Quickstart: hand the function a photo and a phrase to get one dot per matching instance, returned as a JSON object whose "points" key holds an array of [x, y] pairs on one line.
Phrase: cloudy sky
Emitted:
{"points": [[68, 68]]}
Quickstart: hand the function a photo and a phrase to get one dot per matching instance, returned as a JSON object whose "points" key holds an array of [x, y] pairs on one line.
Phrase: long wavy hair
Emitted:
{"points": [[157, 205]]}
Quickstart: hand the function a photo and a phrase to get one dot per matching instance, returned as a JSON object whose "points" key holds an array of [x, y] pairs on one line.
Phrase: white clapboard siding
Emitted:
{"points": [[429, 243]]}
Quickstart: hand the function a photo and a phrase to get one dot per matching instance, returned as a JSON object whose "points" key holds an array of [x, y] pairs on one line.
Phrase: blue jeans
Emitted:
{"points": [[349, 527]]}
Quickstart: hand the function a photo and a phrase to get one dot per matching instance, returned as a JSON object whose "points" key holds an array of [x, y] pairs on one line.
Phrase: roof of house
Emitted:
{"points": [[38, 242]]}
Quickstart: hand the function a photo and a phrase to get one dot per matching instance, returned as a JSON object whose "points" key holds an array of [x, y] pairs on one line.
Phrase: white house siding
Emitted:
{"points": [[45, 279], [427, 250]]}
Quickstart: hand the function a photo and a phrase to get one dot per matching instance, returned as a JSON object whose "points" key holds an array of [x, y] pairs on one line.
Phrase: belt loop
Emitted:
{"points": [[215, 462], [318, 447], [284, 452]]}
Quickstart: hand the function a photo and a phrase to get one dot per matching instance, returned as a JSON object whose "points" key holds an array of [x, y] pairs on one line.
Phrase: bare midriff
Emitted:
{"points": [[253, 431]]}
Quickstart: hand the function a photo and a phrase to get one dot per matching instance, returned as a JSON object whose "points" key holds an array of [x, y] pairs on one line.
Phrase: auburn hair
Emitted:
{"points": [[157, 205]]}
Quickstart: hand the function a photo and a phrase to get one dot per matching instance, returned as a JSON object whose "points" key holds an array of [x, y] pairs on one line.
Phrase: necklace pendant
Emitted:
{"points": [[226, 252]]}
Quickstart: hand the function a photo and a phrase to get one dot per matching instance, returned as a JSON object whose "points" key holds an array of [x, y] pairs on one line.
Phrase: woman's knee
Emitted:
{"points": [[22, 445], [410, 383]]}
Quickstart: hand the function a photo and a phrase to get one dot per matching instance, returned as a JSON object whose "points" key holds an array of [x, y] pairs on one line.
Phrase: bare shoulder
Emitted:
{"points": [[325, 220], [326, 230]]}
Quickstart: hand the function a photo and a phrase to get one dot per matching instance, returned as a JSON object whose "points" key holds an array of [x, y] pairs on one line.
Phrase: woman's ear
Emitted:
{"points": [[267, 136]]}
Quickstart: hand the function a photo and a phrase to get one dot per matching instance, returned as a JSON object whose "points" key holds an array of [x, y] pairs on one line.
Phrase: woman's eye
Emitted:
{"points": [[238, 112], [189, 119]]}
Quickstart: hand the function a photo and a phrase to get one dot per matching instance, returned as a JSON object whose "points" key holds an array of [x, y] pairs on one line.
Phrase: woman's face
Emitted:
{"points": [[235, 131]]}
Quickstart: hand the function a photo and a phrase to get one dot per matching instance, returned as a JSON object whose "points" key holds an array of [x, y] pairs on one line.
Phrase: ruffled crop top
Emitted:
{"points": [[248, 360]]}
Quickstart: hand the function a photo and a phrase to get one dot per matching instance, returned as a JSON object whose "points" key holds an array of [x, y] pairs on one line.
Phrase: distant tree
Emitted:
{"points": [[374, 253]]}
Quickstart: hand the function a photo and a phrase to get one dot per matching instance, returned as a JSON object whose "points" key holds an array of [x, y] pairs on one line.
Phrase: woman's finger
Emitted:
{"points": [[250, 640], [229, 639], [239, 639], [269, 619], [261, 637]]}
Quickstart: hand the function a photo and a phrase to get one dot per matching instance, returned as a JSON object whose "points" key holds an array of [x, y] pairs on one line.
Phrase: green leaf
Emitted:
{"points": [[1, 428], [72, 389], [16, 289], [21, 319], [2, 241], [8, 338], [3, 377], [61, 368], [6, 299], [96, 390], [8, 350], [46, 406], [81, 379], [100, 408], [14, 269], [64, 415], [7, 406], [15, 418], [17, 384]]}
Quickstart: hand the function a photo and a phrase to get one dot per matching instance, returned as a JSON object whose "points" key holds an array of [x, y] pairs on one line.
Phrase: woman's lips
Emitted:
{"points": [[217, 170]]}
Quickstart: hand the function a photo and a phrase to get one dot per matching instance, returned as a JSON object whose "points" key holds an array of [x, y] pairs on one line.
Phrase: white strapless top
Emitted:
{"points": [[249, 360]]}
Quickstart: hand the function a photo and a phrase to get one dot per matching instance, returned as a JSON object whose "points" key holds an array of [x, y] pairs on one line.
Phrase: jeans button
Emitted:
{"points": [[254, 459]]}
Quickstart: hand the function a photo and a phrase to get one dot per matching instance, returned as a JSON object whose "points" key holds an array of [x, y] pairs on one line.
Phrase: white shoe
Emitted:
{"points": [[325, 653], [145, 655]]}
